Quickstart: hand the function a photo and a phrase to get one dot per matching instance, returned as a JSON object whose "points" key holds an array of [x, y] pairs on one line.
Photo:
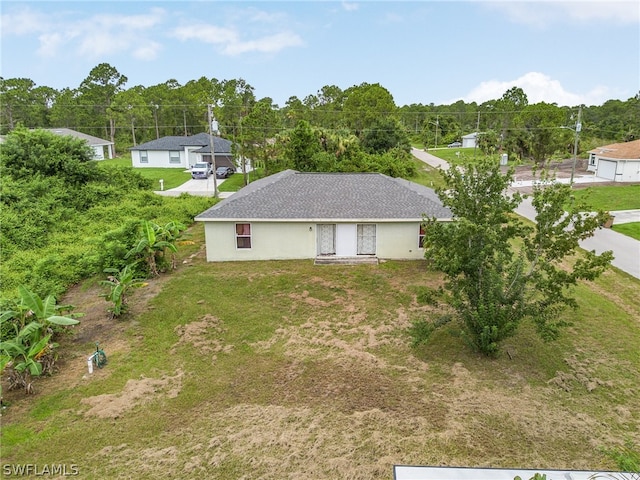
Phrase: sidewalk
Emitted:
{"points": [[626, 250]]}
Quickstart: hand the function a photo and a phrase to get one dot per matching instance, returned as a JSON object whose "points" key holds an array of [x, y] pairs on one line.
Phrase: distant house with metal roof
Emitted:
{"points": [[98, 145], [323, 216], [182, 152], [619, 162]]}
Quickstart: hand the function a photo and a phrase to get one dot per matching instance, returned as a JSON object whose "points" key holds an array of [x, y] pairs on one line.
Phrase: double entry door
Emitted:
{"points": [[346, 239]]}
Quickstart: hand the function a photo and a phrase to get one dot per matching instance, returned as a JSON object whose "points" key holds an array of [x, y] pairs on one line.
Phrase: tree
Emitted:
{"points": [[301, 146], [541, 121], [258, 131], [98, 91], [385, 134], [28, 153], [365, 104], [499, 271]]}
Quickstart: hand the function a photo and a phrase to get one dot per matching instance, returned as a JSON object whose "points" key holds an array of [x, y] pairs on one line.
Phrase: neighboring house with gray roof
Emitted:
{"points": [[98, 145], [294, 215], [182, 152]]}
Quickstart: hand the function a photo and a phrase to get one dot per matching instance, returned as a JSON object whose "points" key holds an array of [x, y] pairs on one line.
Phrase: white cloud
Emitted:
{"points": [[350, 7], [90, 37], [230, 42], [268, 44], [539, 88], [206, 34], [23, 22], [544, 13]]}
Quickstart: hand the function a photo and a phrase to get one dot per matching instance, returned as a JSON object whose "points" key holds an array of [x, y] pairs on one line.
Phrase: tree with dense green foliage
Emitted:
{"points": [[384, 135], [364, 104], [542, 123], [97, 92], [500, 271], [302, 144], [259, 128], [29, 153]]}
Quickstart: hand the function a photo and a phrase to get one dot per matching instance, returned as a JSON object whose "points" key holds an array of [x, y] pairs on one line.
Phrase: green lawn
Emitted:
{"points": [[608, 198], [630, 229], [172, 177], [283, 369]]}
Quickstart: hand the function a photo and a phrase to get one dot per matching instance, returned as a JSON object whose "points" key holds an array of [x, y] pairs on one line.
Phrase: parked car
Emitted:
{"points": [[454, 145], [201, 170], [224, 172]]}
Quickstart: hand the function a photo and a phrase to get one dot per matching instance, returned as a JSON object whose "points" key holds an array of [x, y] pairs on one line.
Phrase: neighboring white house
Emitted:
{"points": [[182, 152], [294, 215], [619, 162], [98, 145], [469, 141]]}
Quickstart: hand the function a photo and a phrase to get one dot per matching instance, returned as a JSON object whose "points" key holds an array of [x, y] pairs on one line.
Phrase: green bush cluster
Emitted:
{"points": [[56, 230]]}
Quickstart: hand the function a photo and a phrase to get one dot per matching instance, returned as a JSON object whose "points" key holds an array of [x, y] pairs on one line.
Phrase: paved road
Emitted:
{"points": [[626, 250]]}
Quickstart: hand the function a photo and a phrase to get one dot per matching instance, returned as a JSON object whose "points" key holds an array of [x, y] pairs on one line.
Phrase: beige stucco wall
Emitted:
{"points": [[297, 240]]}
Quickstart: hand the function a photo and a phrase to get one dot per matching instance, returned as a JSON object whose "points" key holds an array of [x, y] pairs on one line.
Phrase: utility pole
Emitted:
{"points": [[213, 153], [575, 144]]}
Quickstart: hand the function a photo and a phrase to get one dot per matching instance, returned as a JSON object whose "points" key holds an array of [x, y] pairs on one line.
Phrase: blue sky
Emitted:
{"points": [[565, 52]]}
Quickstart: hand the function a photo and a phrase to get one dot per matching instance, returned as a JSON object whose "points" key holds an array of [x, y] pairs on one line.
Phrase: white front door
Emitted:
{"points": [[346, 240]]}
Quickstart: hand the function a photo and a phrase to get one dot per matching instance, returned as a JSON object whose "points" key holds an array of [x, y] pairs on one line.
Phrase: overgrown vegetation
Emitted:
{"points": [[65, 218]]}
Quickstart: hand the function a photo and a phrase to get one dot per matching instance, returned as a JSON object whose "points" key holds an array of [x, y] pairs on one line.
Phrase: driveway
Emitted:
{"points": [[626, 250], [197, 187]]}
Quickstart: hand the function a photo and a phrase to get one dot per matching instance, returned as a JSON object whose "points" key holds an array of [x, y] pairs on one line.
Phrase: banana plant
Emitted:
{"points": [[23, 358], [119, 283], [31, 307], [153, 243], [26, 349]]}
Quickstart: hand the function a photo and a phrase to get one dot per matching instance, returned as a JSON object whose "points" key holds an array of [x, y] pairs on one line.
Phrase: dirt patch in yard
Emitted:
{"points": [[134, 393]]}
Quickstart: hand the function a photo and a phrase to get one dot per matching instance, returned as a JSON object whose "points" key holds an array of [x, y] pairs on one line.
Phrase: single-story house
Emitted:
{"points": [[182, 152], [97, 144], [619, 162], [469, 141], [340, 216]]}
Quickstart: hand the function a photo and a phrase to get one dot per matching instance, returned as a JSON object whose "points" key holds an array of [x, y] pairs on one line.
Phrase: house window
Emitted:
{"points": [[144, 156], [421, 237], [174, 158], [243, 235], [592, 159]]}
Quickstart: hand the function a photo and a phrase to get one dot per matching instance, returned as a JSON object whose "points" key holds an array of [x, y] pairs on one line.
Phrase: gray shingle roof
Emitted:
{"points": [[173, 143], [291, 195], [90, 139]]}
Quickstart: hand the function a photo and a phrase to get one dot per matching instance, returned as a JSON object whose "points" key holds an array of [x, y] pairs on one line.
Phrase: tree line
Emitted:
{"points": [[103, 106]]}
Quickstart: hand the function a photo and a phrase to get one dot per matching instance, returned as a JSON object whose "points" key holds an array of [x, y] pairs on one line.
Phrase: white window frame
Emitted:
{"points": [[243, 236], [144, 156], [421, 234], [172, 157]]}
